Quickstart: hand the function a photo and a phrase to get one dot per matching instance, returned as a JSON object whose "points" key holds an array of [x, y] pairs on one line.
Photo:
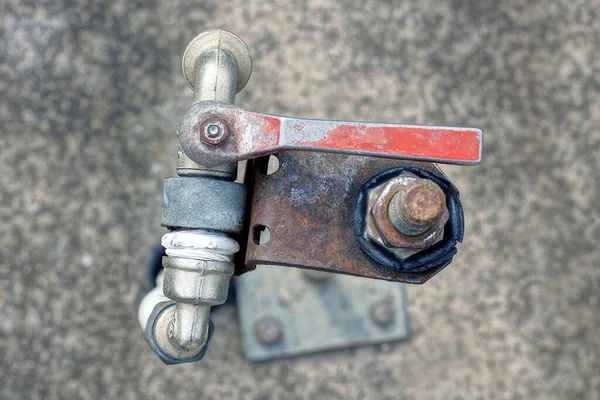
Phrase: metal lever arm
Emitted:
{"points": [[215, 133]]}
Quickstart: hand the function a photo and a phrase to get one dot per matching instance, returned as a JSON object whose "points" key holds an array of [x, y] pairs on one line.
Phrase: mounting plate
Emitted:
{"points": [[287, 311]]}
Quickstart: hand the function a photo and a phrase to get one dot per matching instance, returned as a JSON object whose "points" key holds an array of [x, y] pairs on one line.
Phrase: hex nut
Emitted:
{"points": [[378, 215], [212, 130]]}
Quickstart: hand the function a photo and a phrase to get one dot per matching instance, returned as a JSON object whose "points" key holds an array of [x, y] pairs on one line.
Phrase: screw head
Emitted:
{"points": [[268, 331], [382, 313], [213, 130]]}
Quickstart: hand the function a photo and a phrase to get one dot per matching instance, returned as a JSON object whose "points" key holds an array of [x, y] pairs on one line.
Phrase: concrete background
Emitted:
{"points": [[91, 93]]}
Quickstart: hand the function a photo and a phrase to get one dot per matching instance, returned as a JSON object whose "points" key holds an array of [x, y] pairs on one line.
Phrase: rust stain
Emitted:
{"points": [[264, 131], [318, 235]]}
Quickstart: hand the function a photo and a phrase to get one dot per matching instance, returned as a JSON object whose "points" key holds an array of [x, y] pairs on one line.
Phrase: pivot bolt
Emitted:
{"points": [[213, 130]]}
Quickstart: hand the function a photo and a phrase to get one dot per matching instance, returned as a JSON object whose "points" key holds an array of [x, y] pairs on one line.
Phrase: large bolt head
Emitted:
{"points": [[416, 204], [416, 207]]}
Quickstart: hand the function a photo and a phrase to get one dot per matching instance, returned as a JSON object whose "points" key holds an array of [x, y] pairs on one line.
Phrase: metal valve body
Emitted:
{"points": [[349, 197]]}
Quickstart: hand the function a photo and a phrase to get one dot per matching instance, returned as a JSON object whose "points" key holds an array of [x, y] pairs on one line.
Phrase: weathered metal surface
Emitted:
{"points": [[216, 64], [212, 130], [308, 206], [187, 167], [196, 202], [254, 135], [195, 286], [283, 312]]}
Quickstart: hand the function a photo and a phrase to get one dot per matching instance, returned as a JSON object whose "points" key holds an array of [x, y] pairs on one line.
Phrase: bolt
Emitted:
{"points": [[416, 207], [392, 226], [268, 331], [382, 313], [213, 130]]}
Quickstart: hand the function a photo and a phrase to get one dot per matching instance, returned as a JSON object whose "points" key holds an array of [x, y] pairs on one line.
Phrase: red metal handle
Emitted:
{"points": [[247, 135]]}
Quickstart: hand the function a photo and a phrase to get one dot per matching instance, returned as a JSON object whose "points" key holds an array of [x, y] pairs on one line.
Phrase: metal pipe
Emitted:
{"points": [[216, 76], [197, 271], [215, 80], [199, 262], [190, 326]]}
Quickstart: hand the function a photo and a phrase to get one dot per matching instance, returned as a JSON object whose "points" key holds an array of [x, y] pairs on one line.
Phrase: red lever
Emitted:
{"points": [[215, 133]]}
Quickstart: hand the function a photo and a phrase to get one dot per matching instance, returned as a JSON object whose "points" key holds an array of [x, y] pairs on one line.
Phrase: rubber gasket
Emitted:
{"points": [[437, 256]]}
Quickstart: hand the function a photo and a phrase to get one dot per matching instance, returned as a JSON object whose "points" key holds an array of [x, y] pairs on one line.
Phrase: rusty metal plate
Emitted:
{"points": [[285, 312], [308, 205]]}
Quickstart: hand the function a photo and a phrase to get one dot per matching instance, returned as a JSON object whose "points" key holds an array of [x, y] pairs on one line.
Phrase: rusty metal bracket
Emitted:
{"points": [[308, 206]]}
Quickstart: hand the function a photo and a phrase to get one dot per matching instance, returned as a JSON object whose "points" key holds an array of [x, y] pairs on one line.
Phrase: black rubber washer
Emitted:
{"points": [[438, 255]]}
